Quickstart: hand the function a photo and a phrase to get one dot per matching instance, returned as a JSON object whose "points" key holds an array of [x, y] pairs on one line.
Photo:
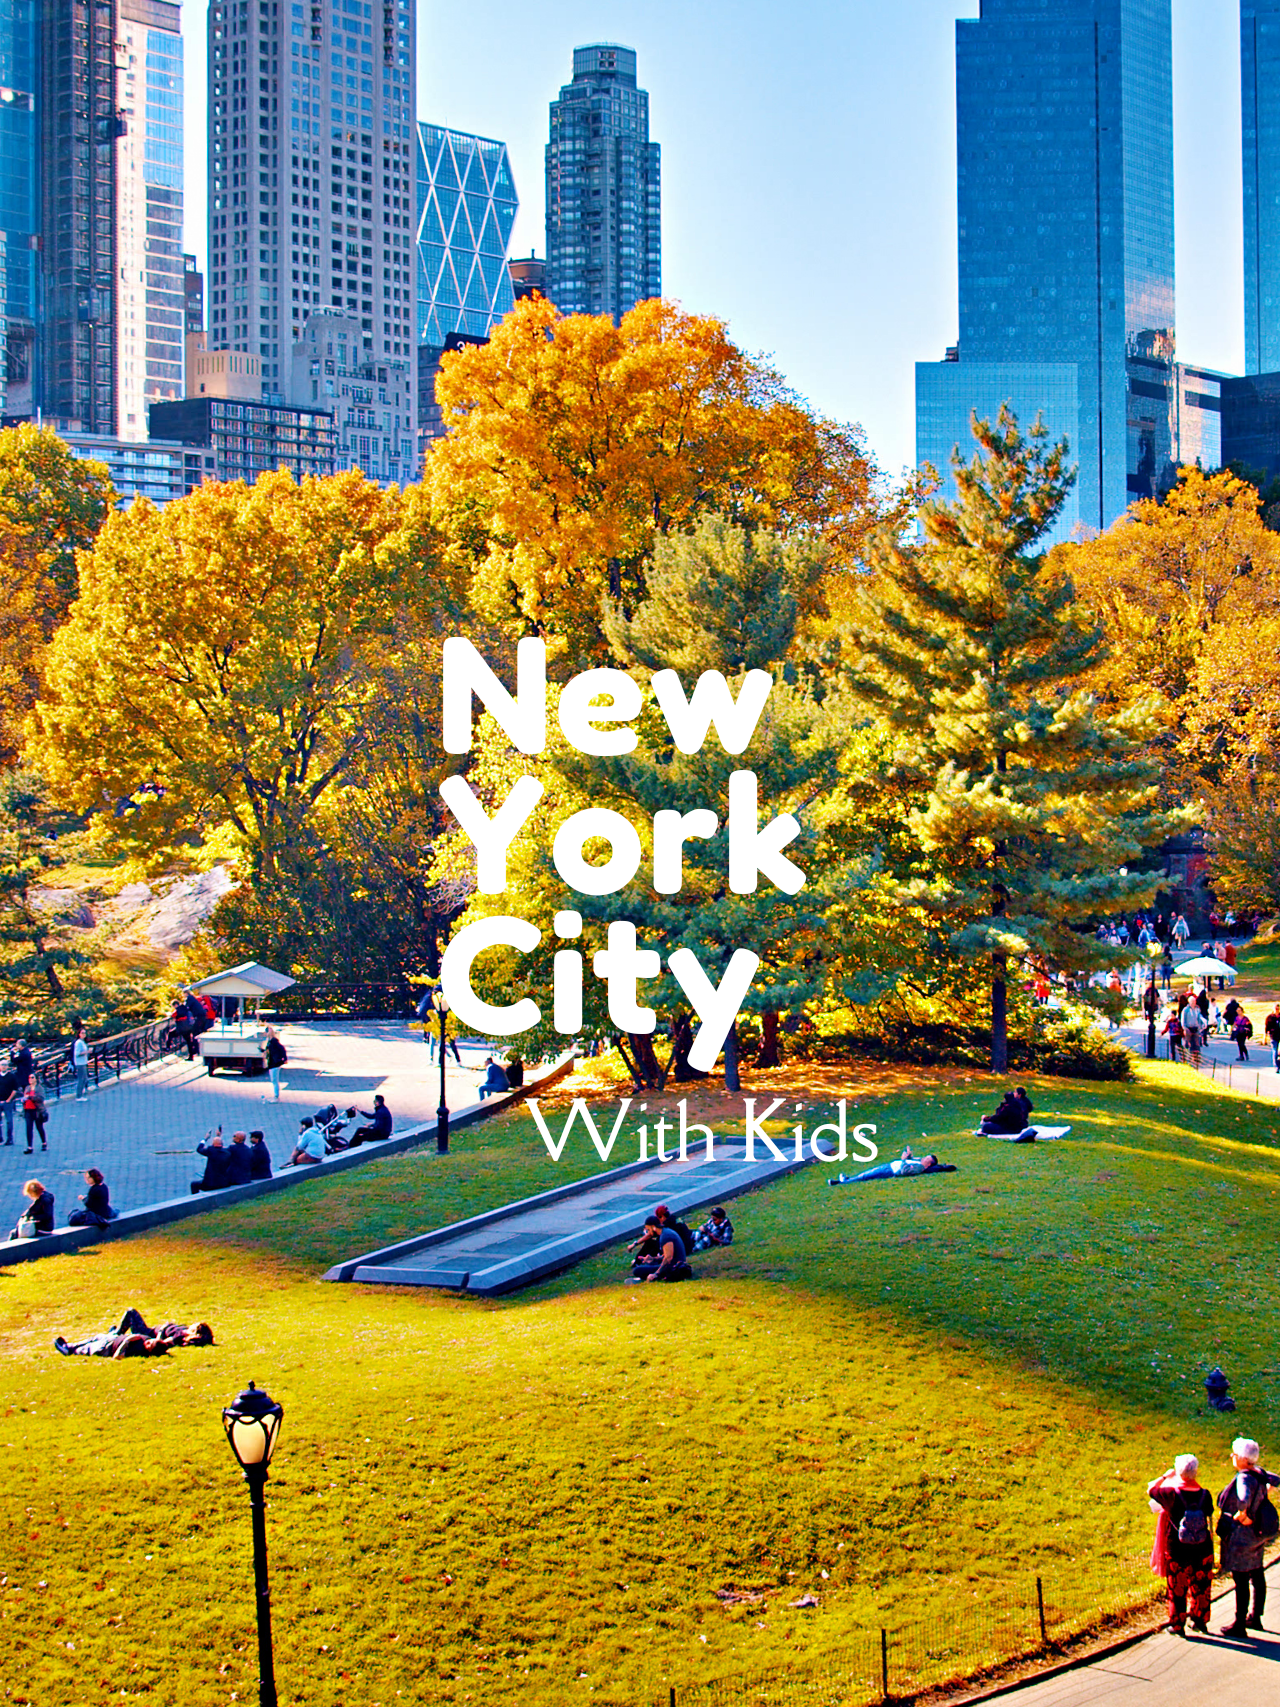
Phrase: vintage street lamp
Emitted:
{"points": [[442, 1111], [252, 1423]]}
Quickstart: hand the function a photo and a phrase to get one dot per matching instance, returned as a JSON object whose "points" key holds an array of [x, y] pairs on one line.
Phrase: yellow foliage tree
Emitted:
{"points": [[228, 660], [1170, 572], [574, 443], [52, 504]]}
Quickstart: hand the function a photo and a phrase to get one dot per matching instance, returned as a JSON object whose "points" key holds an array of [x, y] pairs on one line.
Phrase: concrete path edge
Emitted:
{"points": [[66, 1239]]}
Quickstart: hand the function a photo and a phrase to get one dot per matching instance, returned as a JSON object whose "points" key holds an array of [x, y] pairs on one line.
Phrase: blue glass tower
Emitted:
{"points": [[1260, 123], [19, 198], [467, 206], [1064, 119]]}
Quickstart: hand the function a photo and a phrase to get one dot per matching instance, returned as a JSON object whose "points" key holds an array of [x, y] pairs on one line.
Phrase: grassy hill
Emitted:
{"points": [[905, 1399]]}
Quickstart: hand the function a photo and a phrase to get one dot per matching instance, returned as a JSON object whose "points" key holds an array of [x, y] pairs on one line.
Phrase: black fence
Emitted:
{"points": [[109, 1056], [914, 1659], [389, 1000]]}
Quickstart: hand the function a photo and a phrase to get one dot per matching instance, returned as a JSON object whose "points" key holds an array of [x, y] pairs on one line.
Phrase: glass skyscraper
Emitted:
{"points": [[1260, 122], [1064, 119], [604, 189], [19, 199], [467, 205], [150, 307]]}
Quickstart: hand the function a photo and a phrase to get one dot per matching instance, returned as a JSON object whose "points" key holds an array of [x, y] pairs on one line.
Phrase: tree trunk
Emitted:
{"points": [[646, 1059], [636, 1080], [769, 1055], [999, 1016], [731, 1080]]}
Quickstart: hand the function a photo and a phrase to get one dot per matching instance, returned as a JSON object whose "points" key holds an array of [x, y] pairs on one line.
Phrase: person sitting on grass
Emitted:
{"points": [[671, 1261], [380, 1124], [1012, 1114], [38, 1214], [215, 1164], [310, 1146], [665, 1218], [495, 1081], [133, 1338], [97, 1211], [905, 1166], [717, 1229]]}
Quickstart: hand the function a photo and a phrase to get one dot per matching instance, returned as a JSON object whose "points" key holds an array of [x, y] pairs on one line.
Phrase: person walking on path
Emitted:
{"points": [[277, 1055], [1183, 1551], [35, 1114], [1180, 932], [1248, 1521], [1192, 1024], [8, 1101], [80, 1061], [1271, 1027], [1242, 1031]]}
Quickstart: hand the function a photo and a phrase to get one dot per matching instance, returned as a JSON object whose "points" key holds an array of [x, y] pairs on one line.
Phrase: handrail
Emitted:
{"points": [[107, 1055]]}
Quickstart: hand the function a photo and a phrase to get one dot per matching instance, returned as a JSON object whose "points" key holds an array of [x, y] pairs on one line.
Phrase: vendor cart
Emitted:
{"points": [[240, 1044]]}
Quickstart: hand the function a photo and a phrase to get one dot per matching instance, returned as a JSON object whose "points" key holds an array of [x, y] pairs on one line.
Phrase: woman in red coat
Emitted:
{"points": [[1183, 1551]]}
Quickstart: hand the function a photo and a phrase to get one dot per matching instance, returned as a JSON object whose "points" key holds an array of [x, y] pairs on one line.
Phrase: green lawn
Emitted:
{"points": [[907, 1399]]}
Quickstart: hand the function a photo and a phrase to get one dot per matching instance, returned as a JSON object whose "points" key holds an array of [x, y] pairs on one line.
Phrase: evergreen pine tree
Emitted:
{"points": [[1031, 800]]}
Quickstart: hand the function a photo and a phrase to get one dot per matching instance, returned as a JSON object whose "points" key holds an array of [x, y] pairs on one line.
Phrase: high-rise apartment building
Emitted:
{"points": [[1260, 124], [19, 200], [79, 127], [311, 176], [1065, 199], [604, 189], [150, 304]]}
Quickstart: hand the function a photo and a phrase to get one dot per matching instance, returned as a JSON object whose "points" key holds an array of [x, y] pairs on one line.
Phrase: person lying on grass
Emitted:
{"points": [[717, 1229], [905, 1166], [133, 1338]]}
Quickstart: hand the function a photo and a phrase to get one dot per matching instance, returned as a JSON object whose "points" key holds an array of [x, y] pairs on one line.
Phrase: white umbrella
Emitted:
{"points": [[1204, 966]]}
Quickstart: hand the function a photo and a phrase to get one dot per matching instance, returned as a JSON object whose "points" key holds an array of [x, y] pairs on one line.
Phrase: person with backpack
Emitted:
{"points": [[1183, 1551], [276, 1058], [1242, 1031], [1248, 1522]]}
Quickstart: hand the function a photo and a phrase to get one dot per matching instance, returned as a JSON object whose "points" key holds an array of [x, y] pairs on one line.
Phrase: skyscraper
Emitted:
{"points": [[1064, 120], [604, 189], [150, 308], [1260, 123], [19, 198], [467, 205], [79, 127], [311, 176]]}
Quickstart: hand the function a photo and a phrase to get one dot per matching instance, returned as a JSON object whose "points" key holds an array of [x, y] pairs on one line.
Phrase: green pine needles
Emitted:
{"points": [[1030, 800]]}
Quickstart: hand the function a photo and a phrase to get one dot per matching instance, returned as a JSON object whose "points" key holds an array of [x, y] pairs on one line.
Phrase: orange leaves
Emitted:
{"points": [[574, 443]]}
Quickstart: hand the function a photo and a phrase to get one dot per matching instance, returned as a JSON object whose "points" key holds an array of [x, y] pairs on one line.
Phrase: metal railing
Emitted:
{"points": [[109, 1057], [979, 1646]]}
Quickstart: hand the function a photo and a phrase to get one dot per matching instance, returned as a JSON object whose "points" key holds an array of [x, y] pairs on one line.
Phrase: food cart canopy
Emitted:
{"points": [[250, 979]]}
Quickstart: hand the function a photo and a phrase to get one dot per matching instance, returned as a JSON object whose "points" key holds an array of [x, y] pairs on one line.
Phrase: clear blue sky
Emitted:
{"points": [[808, 156]]}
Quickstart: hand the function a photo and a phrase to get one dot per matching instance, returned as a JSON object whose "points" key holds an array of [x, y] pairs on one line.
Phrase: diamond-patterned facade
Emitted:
{"points": [[467, 206]]}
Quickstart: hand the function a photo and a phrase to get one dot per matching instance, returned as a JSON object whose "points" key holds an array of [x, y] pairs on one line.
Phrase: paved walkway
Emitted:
{"points": [[515, 1246], [142, 1130], [1168, 1671]]}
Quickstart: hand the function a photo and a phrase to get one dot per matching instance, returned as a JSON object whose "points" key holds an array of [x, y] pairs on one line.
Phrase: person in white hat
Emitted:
{"points": [[1253, 1521], [1183, 1551]]}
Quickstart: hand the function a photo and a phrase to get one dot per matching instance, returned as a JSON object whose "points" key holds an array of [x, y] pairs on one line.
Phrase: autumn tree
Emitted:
{"points": [[574, 445], [722, 599], [1030, 798], [1170, 572], [52, 504], [228, 662]]}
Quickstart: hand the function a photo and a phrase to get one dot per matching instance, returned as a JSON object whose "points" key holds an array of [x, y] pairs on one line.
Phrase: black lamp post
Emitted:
{"points": [[252, 1424], [442, 1109]]}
